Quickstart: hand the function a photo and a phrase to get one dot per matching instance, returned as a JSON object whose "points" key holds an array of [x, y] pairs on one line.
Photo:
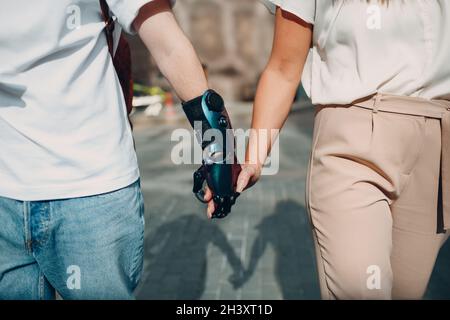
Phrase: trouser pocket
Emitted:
{"points": [[388, 143], [397, 140]]}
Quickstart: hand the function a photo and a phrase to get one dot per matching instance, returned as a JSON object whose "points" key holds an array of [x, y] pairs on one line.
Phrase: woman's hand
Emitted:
{"points": [[249, 175]]}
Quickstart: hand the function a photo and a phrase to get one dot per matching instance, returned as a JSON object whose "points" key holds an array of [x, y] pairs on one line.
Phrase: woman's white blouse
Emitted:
{"points": [[361, 47]]}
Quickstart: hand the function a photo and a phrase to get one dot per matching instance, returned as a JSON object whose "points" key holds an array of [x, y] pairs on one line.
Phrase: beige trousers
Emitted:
{"points": [[373, 192]]}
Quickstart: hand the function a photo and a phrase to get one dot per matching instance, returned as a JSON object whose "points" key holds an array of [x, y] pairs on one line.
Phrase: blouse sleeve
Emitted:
{"points": [[304, 9], [127, 10]]}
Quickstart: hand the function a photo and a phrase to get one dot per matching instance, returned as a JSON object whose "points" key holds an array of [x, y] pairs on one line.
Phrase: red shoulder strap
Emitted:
{"points": [[121, 58], [110, 25]]}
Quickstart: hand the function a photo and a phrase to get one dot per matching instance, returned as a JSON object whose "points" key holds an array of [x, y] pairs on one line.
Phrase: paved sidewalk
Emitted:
{"points": [[190, 257]]}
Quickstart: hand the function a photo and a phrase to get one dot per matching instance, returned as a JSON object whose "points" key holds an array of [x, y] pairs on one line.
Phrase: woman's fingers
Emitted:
{"points": [[245, 177], [248, 176], [209, 198], [208, 195], [211, 208]]}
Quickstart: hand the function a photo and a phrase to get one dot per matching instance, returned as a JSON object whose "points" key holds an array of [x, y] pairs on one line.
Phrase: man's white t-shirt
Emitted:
{"points": [[63, 123]]}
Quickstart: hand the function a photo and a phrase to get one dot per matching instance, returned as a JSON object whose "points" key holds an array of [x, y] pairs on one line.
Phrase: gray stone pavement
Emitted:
{"points": [[189, 257]]}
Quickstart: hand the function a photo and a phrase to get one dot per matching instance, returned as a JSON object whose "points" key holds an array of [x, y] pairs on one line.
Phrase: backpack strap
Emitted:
{"points": [[110, 24], [121, 57]]}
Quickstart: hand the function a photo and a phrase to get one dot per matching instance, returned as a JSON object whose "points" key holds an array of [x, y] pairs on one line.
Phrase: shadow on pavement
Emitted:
{"points": [[288, 231], [177, 260]]}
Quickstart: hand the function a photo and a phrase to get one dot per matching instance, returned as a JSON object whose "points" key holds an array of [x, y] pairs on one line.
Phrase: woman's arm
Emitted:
{"points": [[276, 90], [171, 49]]}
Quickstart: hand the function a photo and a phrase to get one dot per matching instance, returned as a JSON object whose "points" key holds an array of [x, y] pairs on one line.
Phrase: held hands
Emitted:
{"points": [[249, 175]]}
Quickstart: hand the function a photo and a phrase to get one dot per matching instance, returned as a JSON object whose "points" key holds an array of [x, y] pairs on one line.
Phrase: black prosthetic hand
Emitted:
{"points": [[220, 170]]}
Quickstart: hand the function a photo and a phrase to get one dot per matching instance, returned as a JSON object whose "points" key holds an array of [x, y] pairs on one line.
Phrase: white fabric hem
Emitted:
{"points": [[273, 4]]}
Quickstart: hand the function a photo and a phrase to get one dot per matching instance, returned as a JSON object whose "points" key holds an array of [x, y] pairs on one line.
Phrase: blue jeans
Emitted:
{"points": [[82, 248]]}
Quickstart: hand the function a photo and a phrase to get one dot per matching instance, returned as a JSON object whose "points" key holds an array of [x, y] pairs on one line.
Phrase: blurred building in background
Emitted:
{"points": [[232, 37]]}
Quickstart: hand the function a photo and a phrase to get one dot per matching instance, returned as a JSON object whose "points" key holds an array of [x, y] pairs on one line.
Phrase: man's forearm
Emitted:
{"points": [[171, 49]]}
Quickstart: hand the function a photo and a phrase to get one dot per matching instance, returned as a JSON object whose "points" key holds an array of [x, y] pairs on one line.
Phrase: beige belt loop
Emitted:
{"points": [[376, 102]]}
